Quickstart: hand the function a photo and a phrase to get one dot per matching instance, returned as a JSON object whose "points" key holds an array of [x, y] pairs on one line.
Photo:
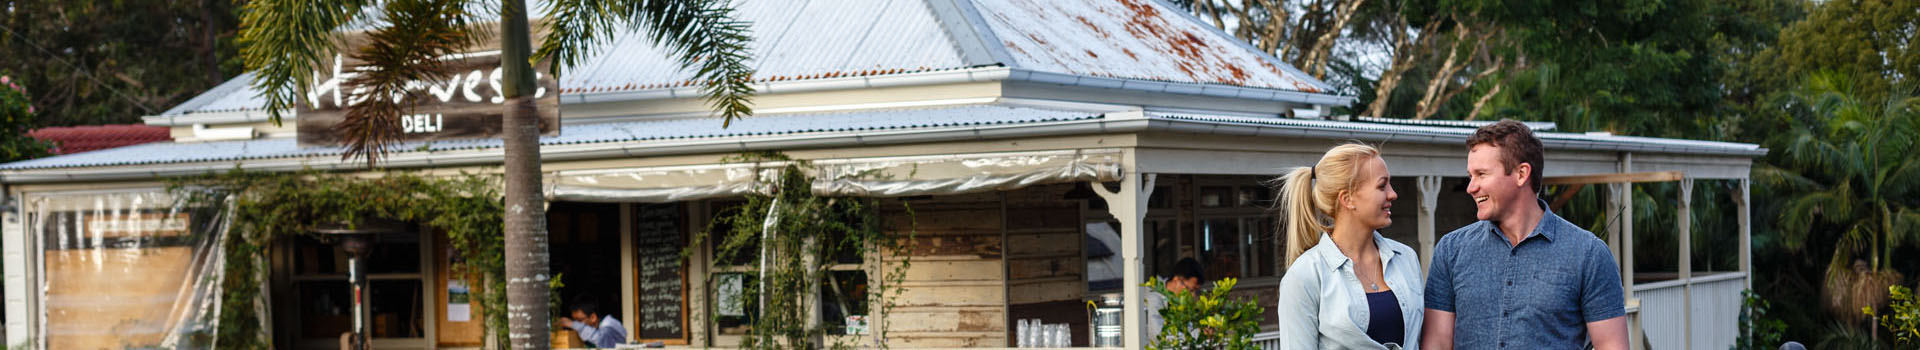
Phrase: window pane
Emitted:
{"points": [[393, 307], [1220, 245], [843, 302], [326, 309], [391, 253], [1262, 246], [1255, 197], [1166, 245], [734, 305], [1215, 196], [718, 236]]}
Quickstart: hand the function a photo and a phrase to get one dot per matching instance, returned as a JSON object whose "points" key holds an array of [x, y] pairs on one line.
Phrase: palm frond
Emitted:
{"points": [[701, 33], [407, 51], [1849, 243], [1783, 179], [1905, 228], [1815, 151], [284, 41]]}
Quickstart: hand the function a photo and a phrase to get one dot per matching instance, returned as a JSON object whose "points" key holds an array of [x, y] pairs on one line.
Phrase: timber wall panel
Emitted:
{"points": [[1046, 262], [955, 290]]}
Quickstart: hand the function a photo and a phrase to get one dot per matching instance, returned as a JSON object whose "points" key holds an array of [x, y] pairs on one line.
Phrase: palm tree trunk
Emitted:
{"points": [[526, 219]]}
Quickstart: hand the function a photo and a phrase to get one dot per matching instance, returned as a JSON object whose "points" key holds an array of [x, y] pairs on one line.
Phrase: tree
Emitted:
{"points": [[1850, 177], [1874, 40], [286, 40], [16, 115], [105, 62]]}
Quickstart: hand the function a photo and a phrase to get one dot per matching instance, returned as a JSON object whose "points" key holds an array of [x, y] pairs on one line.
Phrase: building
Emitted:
{"points": [[1006, 121]]}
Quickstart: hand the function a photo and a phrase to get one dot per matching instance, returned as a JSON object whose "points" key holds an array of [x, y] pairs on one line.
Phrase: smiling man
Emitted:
{"points": [[1521, 277]]}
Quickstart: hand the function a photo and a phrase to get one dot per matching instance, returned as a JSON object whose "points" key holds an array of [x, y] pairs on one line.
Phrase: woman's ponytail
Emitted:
{"points": [[1300, 219], [1307, 195]]}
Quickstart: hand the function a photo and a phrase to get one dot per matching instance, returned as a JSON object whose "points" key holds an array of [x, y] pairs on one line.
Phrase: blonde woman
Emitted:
{"points": [[1346, 287]]}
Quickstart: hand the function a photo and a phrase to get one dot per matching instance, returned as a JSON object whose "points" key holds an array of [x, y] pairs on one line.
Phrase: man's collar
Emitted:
{"points": [[1541, 228]]}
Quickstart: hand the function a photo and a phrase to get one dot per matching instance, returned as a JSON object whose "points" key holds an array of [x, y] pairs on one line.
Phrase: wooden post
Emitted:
{"points": [[1685, 235], [1745, 212], [1429, 196], [1623, 192], [1129, 205], [627, 283]]}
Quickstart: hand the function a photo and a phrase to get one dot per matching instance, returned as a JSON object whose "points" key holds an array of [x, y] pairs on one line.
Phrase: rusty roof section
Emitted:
{"points": [[1133, 39]]}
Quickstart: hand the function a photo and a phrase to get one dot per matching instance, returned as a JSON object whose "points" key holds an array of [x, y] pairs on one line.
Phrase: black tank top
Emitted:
{"points": [[1384, 324]]}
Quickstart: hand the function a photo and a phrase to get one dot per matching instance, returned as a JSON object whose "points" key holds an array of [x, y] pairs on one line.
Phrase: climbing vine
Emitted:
{"points": [[804, 236], [270, 206]]}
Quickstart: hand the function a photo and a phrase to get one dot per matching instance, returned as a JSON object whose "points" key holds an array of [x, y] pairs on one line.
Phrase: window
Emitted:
{"points": [[394, 288], [842, 298], [1235, 229]]}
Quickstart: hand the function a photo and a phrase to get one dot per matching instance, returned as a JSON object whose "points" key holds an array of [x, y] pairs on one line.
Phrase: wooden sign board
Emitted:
{"points": [[468, 103]]}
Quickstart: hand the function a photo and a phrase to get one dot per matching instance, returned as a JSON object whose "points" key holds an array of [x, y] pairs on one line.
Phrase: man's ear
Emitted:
{"points": [[1523, 175]]}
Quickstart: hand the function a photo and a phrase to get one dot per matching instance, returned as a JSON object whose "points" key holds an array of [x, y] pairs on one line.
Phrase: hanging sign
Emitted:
{"points": [[467, 103]]}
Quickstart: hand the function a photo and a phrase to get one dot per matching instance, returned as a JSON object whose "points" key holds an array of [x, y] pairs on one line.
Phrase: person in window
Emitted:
{"points": [[1346, 286], [1185, 279], [596, 330]]}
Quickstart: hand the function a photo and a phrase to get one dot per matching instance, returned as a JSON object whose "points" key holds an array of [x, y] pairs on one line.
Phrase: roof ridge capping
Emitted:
{"points": [[1531, 124]]}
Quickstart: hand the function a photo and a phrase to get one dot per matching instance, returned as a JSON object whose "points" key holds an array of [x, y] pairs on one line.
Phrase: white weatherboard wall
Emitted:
{"points": [[13, 240], [1716, 311]]}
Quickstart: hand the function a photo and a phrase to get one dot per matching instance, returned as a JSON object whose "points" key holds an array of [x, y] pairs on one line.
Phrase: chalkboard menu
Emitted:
{"points": [[662, 279]]}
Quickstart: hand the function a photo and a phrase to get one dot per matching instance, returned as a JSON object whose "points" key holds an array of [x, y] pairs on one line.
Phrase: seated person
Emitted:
{"points": [[1186, 277], [596, 330]]}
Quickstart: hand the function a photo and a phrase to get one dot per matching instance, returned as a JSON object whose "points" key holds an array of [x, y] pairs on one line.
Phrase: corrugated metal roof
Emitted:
{"points": [[798, 40], [791, 40], [1136, 39], [692, 128], [1372, 131]]}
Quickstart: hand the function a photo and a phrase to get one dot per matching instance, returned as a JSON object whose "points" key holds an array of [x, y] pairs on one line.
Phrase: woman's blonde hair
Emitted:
{"points": [[1308, 195]]}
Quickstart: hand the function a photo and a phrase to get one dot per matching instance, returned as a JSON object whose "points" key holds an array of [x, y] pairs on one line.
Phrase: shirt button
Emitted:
{"points": [[1503, 344], [1503, 314], [1509, 282]]}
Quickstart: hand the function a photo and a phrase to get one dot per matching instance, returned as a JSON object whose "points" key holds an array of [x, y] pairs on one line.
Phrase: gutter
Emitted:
{"points": [[939, 77], [1122, 122], [1307, 131]]}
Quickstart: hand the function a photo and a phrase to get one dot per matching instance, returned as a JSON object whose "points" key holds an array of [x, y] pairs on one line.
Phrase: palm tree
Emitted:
{"points": [[285, 41], [1849, 174]]}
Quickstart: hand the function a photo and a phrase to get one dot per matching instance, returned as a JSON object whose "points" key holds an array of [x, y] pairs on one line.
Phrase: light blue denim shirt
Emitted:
{"points": [[1322, 305]]}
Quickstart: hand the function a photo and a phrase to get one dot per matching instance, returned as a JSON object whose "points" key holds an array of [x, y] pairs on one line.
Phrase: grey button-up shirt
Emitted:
{"points": [[1537, 295]]}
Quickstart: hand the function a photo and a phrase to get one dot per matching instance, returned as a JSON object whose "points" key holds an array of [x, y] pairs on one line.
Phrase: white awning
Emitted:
{"points": [[858, 177]]}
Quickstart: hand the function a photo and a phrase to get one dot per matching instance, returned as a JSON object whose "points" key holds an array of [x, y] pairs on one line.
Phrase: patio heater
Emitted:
{"points": [[357, 241]]}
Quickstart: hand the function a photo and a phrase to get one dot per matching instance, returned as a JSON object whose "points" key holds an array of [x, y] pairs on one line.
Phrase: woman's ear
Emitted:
{"points": [[1346, 200]]}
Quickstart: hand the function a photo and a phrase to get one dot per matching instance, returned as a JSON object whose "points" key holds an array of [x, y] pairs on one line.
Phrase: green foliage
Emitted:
{"points": [[16, 117], [270, 206], [1843, 336], [110, 62], [284, 41], [1206, 321], [1903, 317], [1758, 331], [1873, 41], [805, 235], [1847, 171]]}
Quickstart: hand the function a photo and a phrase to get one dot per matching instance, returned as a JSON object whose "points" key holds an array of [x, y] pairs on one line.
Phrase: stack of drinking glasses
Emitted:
{"points": [[1034, 333]]}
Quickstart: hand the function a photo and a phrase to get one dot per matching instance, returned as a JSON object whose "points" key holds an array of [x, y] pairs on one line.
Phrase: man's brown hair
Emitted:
{"points": [[1517, 145]]}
